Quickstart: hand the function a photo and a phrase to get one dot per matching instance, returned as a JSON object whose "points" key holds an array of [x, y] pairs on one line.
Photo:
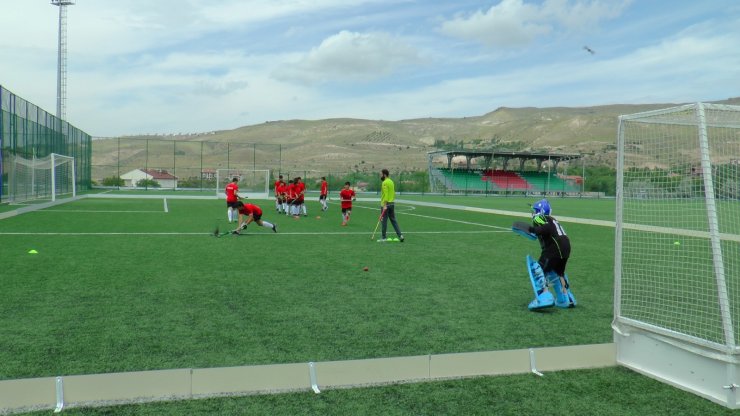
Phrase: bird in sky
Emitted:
{"points": [[589, 50]]}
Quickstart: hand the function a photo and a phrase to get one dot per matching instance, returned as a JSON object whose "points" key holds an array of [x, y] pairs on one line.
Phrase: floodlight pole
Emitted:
{"points": [[62, 57]]}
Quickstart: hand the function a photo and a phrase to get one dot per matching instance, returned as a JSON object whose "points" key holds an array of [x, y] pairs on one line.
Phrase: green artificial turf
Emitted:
{"points": [[127, 286]]}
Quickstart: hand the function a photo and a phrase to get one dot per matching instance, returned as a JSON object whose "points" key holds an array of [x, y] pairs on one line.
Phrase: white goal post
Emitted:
{"points": [[252, 183], [45, 178], [677, 248]]}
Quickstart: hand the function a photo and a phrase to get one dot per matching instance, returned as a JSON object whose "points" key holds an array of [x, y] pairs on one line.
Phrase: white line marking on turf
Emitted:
{"points": [[460, 221], [258, 233], [165, 205], [101, 211]]}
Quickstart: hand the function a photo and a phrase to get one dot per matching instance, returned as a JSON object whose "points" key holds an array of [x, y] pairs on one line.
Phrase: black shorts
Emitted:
{"points": [[346, 210], [553, 263], [257, 217], [231, 204], [322, 197]]}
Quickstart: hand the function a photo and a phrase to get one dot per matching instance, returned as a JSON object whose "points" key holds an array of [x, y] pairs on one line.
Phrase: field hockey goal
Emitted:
{"points": [[252, 183], [45, 178], [677, 248]]}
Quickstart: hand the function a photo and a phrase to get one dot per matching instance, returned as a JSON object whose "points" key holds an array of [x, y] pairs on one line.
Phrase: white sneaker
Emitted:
{"points": [[382, 240]]}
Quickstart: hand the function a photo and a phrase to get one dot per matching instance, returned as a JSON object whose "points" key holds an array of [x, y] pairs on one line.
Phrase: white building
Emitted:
{"points": [[164, 178]]}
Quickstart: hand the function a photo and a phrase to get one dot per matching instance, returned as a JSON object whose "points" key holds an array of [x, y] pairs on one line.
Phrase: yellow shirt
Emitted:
{"points": [[387, 192]]}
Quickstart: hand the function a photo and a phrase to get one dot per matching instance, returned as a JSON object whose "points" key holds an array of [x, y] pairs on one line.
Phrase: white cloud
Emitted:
{"points": [[514, 23], [351, 56]]}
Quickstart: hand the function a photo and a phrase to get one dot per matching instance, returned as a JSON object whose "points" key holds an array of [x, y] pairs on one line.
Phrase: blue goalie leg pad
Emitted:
{"points": [[563, 298], [542, 296], [544, 300], [571, 298]]}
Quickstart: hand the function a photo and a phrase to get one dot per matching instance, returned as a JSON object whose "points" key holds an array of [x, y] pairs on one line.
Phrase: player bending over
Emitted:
{"points": [[249, 213], [550, 268], [346, 195]]}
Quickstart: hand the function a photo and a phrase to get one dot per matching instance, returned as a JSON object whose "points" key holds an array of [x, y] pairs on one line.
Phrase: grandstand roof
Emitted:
{"points": [[507, 154]]}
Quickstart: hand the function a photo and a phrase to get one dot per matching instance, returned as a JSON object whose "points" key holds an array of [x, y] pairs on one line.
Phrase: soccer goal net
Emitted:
{"points": [[252, 183], [46, 178], [677, 247]]}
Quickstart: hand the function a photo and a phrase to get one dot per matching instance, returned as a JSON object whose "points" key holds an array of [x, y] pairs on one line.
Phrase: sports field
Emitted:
{"points": [[142, 284]]}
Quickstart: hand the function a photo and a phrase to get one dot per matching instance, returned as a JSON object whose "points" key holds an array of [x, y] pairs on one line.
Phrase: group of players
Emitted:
{"points": [[548, 271], [289, 200], [290, 197]]}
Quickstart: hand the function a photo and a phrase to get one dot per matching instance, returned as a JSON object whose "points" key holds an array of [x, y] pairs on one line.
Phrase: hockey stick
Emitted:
{"points": [[382, 212], [217, 233], [522, 228]]}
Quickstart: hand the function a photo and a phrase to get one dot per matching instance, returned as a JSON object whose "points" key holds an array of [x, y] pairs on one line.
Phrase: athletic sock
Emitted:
{"points": [[228, 214], [267, 224]]}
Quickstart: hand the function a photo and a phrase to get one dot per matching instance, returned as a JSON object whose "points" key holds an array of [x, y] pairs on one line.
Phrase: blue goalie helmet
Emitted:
{"points": [[539, 210]]}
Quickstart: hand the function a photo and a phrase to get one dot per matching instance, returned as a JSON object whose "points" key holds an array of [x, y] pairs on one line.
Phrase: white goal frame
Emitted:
{"points": [[678, 320], [253, 183], [42, 178]]}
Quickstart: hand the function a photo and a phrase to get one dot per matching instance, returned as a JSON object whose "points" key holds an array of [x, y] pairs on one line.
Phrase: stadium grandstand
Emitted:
{"points": [[497, 172]]}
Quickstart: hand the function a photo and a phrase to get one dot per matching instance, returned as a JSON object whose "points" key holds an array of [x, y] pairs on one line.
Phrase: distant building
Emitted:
{"points": [[164, 178]]}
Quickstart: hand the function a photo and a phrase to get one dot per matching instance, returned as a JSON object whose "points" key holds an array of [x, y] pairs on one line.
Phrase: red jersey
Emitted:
{"points": [[300, 190], [346, 196], [324, 188], [281, 189], [231, 191], [291, 190], [248, 209], [277, 185]]}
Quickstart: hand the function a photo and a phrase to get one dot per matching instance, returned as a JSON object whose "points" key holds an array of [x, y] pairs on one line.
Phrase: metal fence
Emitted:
{"points": [[194, 165], [28, 131]]}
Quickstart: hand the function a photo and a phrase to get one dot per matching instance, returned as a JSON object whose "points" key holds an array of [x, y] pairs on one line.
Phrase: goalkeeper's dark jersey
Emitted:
{"points": [[552, 237]]}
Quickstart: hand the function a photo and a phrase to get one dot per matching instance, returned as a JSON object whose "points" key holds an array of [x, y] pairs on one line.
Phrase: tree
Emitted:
{"points": [[148, 183], [113, 181]]}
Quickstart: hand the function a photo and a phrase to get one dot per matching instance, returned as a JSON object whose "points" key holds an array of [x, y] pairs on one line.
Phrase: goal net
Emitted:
{"points": [[252, 183], [677, 243], [45, 178]]}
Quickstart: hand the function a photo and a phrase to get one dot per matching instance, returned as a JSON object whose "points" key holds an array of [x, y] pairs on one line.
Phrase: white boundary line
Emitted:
{"points": [[101, 211], [250, 234]]}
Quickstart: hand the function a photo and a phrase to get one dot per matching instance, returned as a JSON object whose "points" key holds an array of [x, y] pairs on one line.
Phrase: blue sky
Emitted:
{"points": [[166, 66]]}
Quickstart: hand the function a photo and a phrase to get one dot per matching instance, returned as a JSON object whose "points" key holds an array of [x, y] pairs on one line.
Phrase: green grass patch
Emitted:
{"points": [[130, 287]]}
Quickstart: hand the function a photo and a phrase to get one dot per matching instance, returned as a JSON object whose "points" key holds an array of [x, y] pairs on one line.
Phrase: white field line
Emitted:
{"points": [[248, 234], [600, 223], [101, 211]]}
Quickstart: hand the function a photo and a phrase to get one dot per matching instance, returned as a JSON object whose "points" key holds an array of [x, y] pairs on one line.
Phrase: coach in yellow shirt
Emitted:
{"points": [[387, 206]]}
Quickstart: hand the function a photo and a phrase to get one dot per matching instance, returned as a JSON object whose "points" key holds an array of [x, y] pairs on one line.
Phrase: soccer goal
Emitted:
{"points": [[677, 248], [252, 183], [46, 178]]}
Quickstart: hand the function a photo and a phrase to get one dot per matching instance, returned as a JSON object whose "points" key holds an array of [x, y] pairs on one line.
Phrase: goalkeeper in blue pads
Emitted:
{"points": [[549, 270]]}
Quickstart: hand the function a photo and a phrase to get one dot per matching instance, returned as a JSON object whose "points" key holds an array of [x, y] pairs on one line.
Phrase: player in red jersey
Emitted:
{"points": [[280, 192], [346, 195], [324, 193], [291, 195], [301, 196], [232, 197], [278, 205], [249, 213]]}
